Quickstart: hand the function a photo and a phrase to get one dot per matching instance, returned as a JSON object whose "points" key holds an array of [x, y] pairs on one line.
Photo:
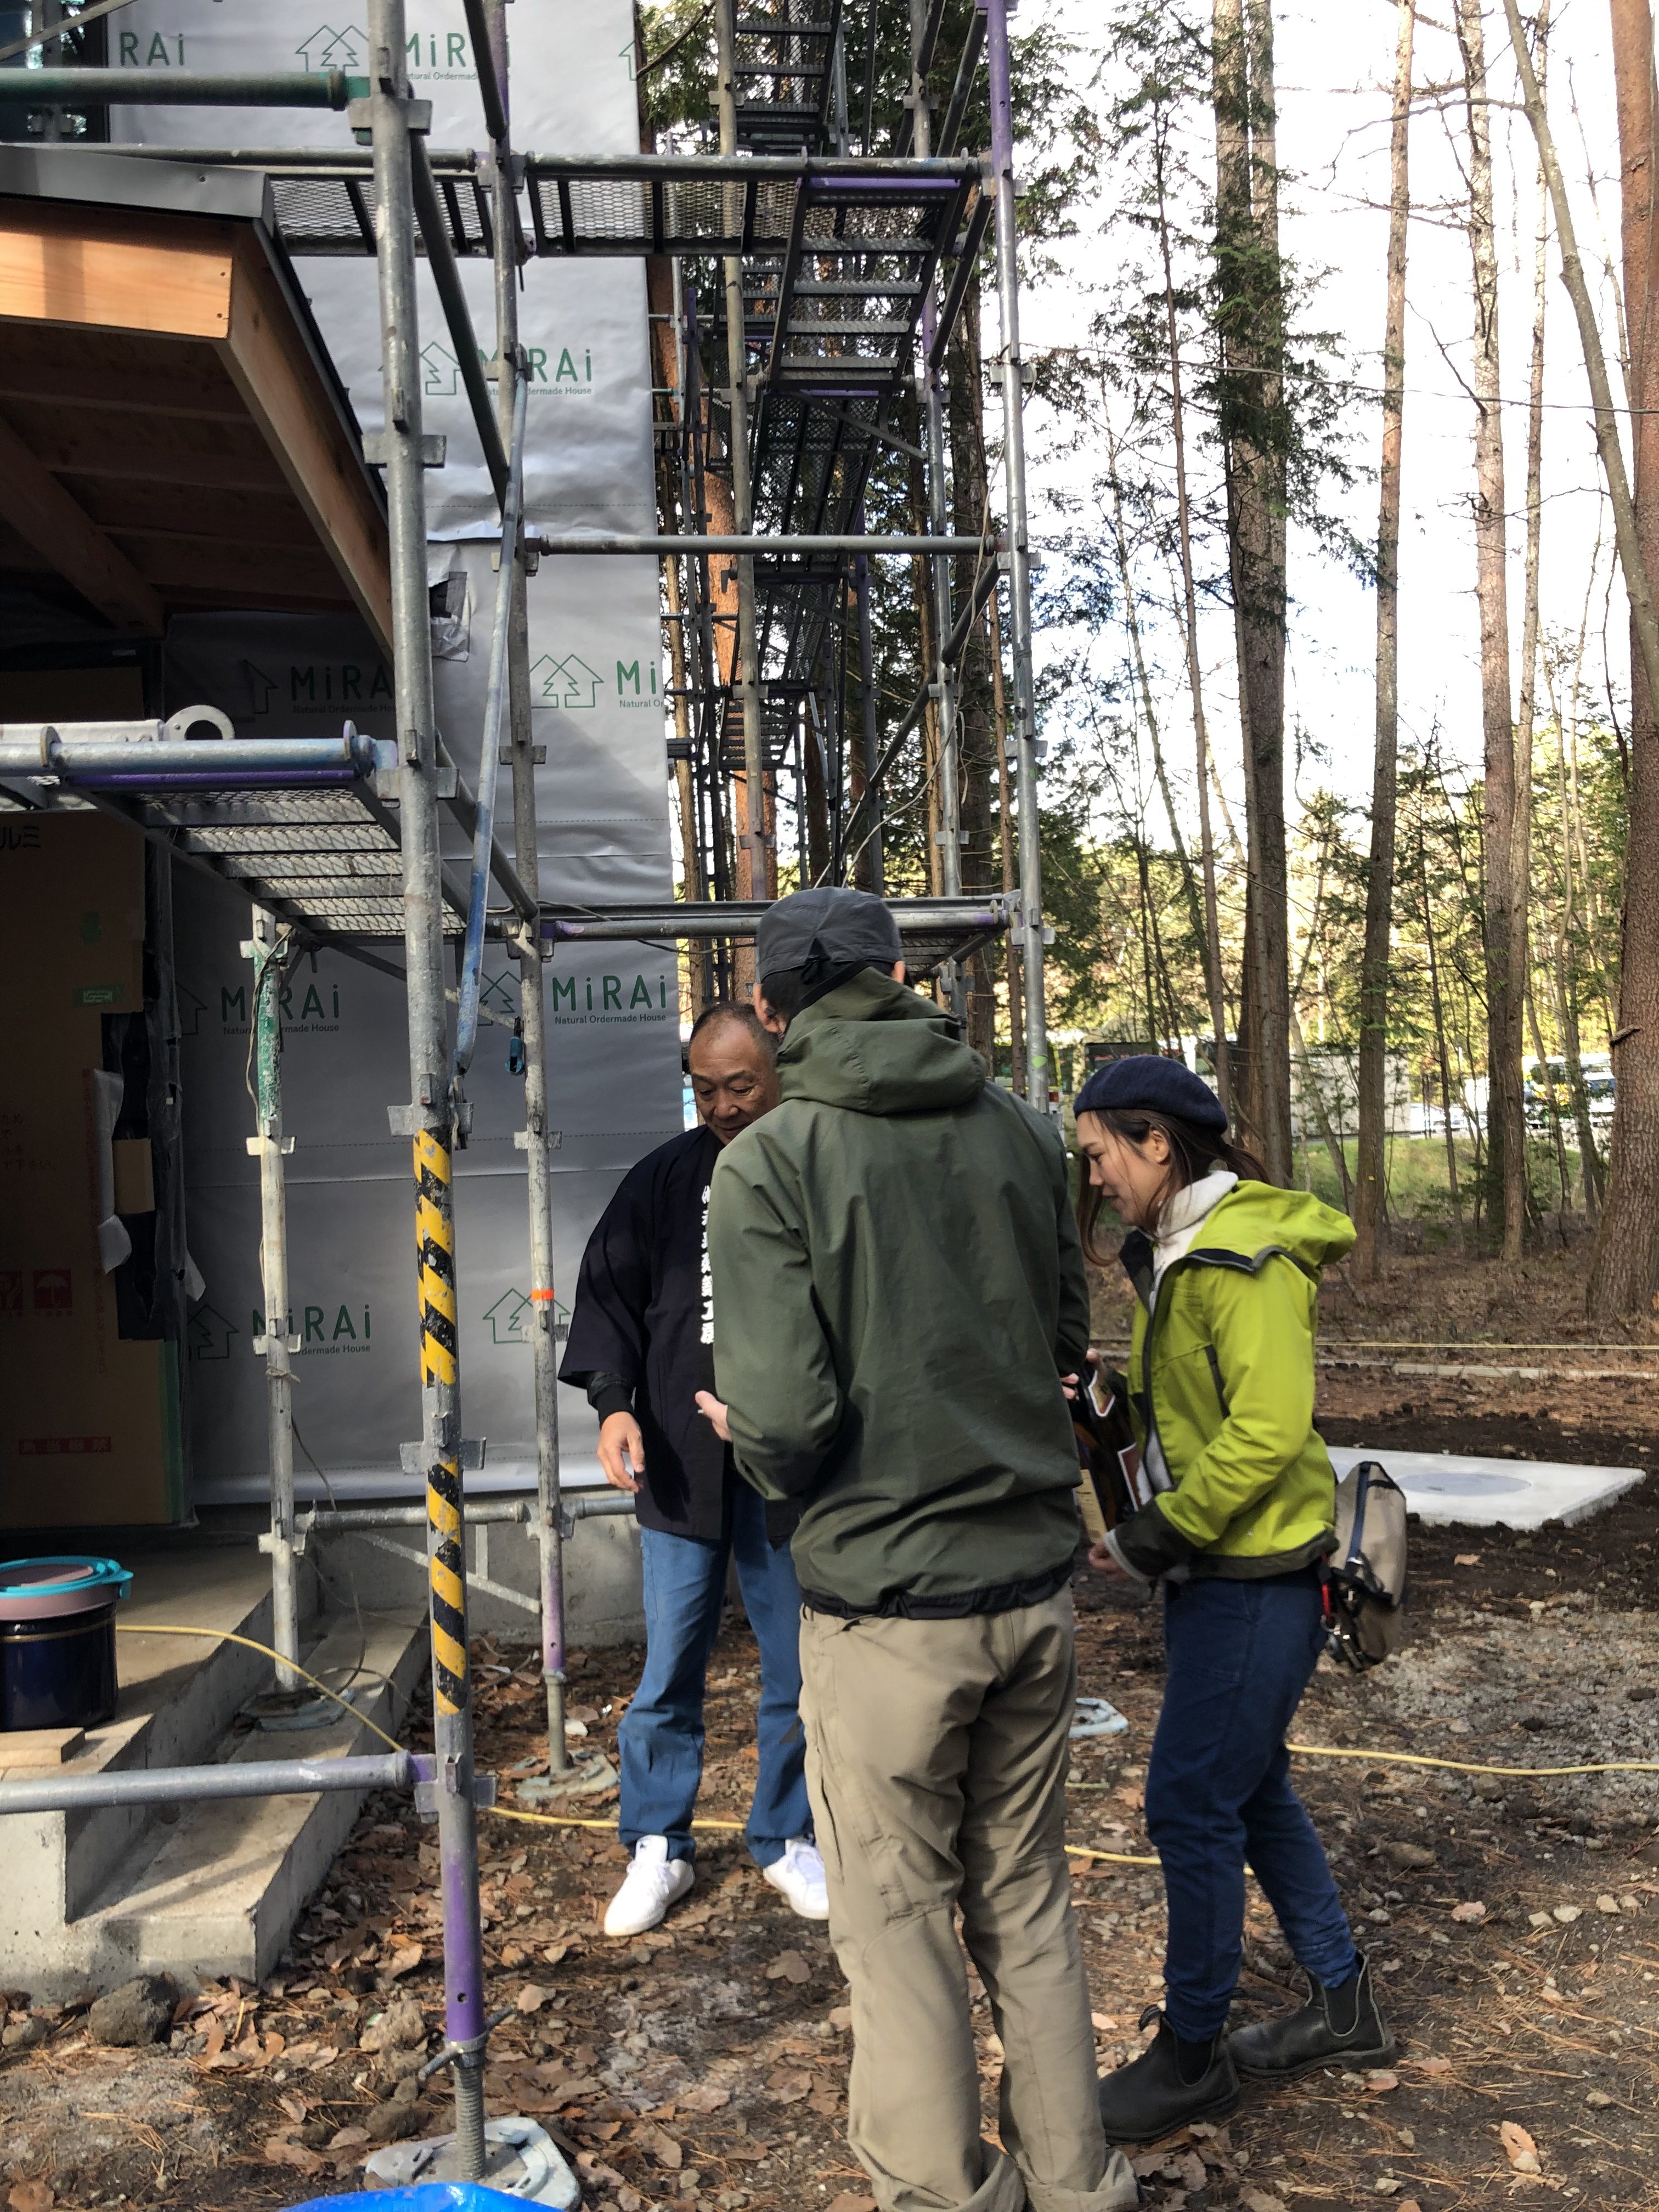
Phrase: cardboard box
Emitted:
{"points": [[90, 1430]]}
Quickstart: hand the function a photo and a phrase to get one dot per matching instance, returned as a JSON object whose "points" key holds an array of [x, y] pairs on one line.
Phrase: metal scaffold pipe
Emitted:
{"points": [[430, 1119], [746, 544], [492, 62], [1019, 592], [127, 87], [188, 1785], [748, 655], [269, 1143]]}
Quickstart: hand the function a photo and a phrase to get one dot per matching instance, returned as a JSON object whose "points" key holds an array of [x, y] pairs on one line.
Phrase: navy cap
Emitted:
{"points": [[832, 924], [1147, 1083]]}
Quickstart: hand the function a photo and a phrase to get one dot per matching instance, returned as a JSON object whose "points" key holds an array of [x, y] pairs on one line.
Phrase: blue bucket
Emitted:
{"points": [[57, 1642]]}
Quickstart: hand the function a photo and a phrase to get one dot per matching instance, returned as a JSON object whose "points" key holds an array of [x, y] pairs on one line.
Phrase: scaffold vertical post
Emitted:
{"points": [[527, 858], [942, 674], [270, 1144], [432, 1107], [747, 656], [1019, 580]]}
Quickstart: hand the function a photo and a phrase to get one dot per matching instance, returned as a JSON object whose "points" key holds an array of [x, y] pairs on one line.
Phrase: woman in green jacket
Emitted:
{"points": [[1241, 1515]]}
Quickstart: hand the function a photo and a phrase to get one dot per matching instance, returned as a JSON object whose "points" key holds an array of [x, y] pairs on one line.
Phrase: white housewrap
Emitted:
{"points": [[601, 797]]}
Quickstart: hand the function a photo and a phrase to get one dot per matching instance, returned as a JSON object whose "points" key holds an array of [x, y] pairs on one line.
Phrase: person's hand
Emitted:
{"points": [[620, 1443], [714, 1414], [1101, 1559], [1068, 1384]]}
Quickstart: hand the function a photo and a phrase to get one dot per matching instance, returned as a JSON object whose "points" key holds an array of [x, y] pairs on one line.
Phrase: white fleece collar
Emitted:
{"points": [[1185, 1215]]}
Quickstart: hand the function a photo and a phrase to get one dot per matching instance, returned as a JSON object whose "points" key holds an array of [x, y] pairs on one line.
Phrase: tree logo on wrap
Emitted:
{"points": [[208, 1334], [441, 372], [570, 683], [510, 1317], [325, 48], [637, 998]]}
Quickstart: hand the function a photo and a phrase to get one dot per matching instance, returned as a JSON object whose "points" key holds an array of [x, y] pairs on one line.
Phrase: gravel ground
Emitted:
{"points": [[1514, 1922]]}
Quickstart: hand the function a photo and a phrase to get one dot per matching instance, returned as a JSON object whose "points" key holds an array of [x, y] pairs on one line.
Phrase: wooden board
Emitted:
{"points": [[40, 1747], [115, 268], [286, 397]]}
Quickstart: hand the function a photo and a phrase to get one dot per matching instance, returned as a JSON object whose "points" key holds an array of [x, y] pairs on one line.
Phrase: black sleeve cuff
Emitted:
{"points": [[609, 1394], [1151, 1543]]}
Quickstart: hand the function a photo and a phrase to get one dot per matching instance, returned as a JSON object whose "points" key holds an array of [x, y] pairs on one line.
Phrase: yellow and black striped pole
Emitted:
{"points": [[434, 1242]]}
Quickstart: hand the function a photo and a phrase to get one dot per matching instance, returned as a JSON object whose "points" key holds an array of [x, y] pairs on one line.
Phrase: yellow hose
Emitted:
{"points": [[1073, 1850]]}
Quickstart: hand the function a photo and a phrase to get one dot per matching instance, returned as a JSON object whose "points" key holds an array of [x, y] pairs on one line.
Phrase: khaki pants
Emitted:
{"points": [[936, 1757]]}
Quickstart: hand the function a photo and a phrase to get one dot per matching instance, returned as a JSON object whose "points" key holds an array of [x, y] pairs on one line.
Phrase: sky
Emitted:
{"points": [[1335, 104]]}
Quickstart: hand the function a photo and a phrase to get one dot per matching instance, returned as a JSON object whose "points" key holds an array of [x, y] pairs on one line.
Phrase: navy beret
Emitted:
{"points": [[1147, 1083]]}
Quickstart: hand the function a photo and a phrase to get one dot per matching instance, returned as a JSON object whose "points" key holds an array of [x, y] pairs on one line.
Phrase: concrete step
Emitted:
{"points": [[178, 1695], [221, 1889]]}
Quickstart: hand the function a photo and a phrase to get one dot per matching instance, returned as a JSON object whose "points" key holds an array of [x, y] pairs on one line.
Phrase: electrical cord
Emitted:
{"points": [[1073, 1850]]}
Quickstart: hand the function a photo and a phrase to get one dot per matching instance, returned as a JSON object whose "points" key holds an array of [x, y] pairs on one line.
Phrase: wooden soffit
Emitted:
{"points": [[172, 437]]}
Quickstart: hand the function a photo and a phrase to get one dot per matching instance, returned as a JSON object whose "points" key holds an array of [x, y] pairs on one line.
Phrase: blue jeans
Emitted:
{"points": [[1218, 1793], [661, 1732]]}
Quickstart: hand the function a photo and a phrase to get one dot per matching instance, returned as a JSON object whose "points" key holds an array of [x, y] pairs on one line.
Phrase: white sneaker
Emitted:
{"points": [[654, 1882], [800, 1874]]}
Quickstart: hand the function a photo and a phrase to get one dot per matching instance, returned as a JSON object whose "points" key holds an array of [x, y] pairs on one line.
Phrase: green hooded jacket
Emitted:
{"points": [[897, 1286], [1221, 1370]]}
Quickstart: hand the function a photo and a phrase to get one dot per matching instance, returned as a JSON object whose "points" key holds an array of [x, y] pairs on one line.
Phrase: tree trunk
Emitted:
{"points": [[1251, 322], [1215, 990], [1521, 837], [1442, 1057], [1624, 1275], [1505, 1117], [1369, 1165]]}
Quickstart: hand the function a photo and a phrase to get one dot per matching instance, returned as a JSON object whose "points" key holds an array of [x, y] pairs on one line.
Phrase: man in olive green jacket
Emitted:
{"points": [[899, 1290]]}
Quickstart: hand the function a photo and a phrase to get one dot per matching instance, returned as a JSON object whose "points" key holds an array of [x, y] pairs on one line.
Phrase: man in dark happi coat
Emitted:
{"points": [[641, 1344]]}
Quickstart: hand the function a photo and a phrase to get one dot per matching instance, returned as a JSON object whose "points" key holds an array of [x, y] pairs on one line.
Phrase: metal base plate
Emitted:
{"points": [[520, 2160], [589, 1772], [296, 1709]]}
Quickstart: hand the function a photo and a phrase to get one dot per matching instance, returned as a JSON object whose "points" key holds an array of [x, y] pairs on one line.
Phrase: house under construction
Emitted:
{"points": [[195, 449]]}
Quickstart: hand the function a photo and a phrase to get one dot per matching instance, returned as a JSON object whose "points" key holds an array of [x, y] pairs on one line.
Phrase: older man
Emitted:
{"points": [[642, 1344]]}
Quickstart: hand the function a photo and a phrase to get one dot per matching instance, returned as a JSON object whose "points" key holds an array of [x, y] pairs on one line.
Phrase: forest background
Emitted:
{"points": [[1333, 638]]}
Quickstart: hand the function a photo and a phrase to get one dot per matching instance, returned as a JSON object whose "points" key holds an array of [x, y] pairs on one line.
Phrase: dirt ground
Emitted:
{"points": [[1514, 1923]]}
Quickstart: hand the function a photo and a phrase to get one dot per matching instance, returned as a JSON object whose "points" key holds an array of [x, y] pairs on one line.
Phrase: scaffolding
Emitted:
{"points": [[813, 280]]}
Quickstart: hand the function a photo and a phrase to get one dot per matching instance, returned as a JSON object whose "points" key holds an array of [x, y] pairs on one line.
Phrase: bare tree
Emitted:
{"points": [[1369, 1169], [1624, 1275], [1250, 289], [1506, 1134]]}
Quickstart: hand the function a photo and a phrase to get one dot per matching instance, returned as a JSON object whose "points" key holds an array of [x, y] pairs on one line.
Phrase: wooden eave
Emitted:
{"points": [[169, 438]]}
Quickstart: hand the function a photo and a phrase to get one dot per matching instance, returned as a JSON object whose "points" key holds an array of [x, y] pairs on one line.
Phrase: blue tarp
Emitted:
{"points": [[428, 2196]]}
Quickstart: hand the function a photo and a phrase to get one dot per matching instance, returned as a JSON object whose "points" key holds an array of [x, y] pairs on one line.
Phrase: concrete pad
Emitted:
{"points": [[1494, 1493]]}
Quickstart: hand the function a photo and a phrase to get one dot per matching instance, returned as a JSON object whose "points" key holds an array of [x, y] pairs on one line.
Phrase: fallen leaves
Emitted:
{"points": [[1430, 2064], [703, 2097], [402, 1961], [1469, 1911], [280, 2151], [788, 2085], [789, 1966], [659, 2145], [1519, 2148], [1379, 2080], [39, 2197], [532, 1998], [847, 2202]]}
